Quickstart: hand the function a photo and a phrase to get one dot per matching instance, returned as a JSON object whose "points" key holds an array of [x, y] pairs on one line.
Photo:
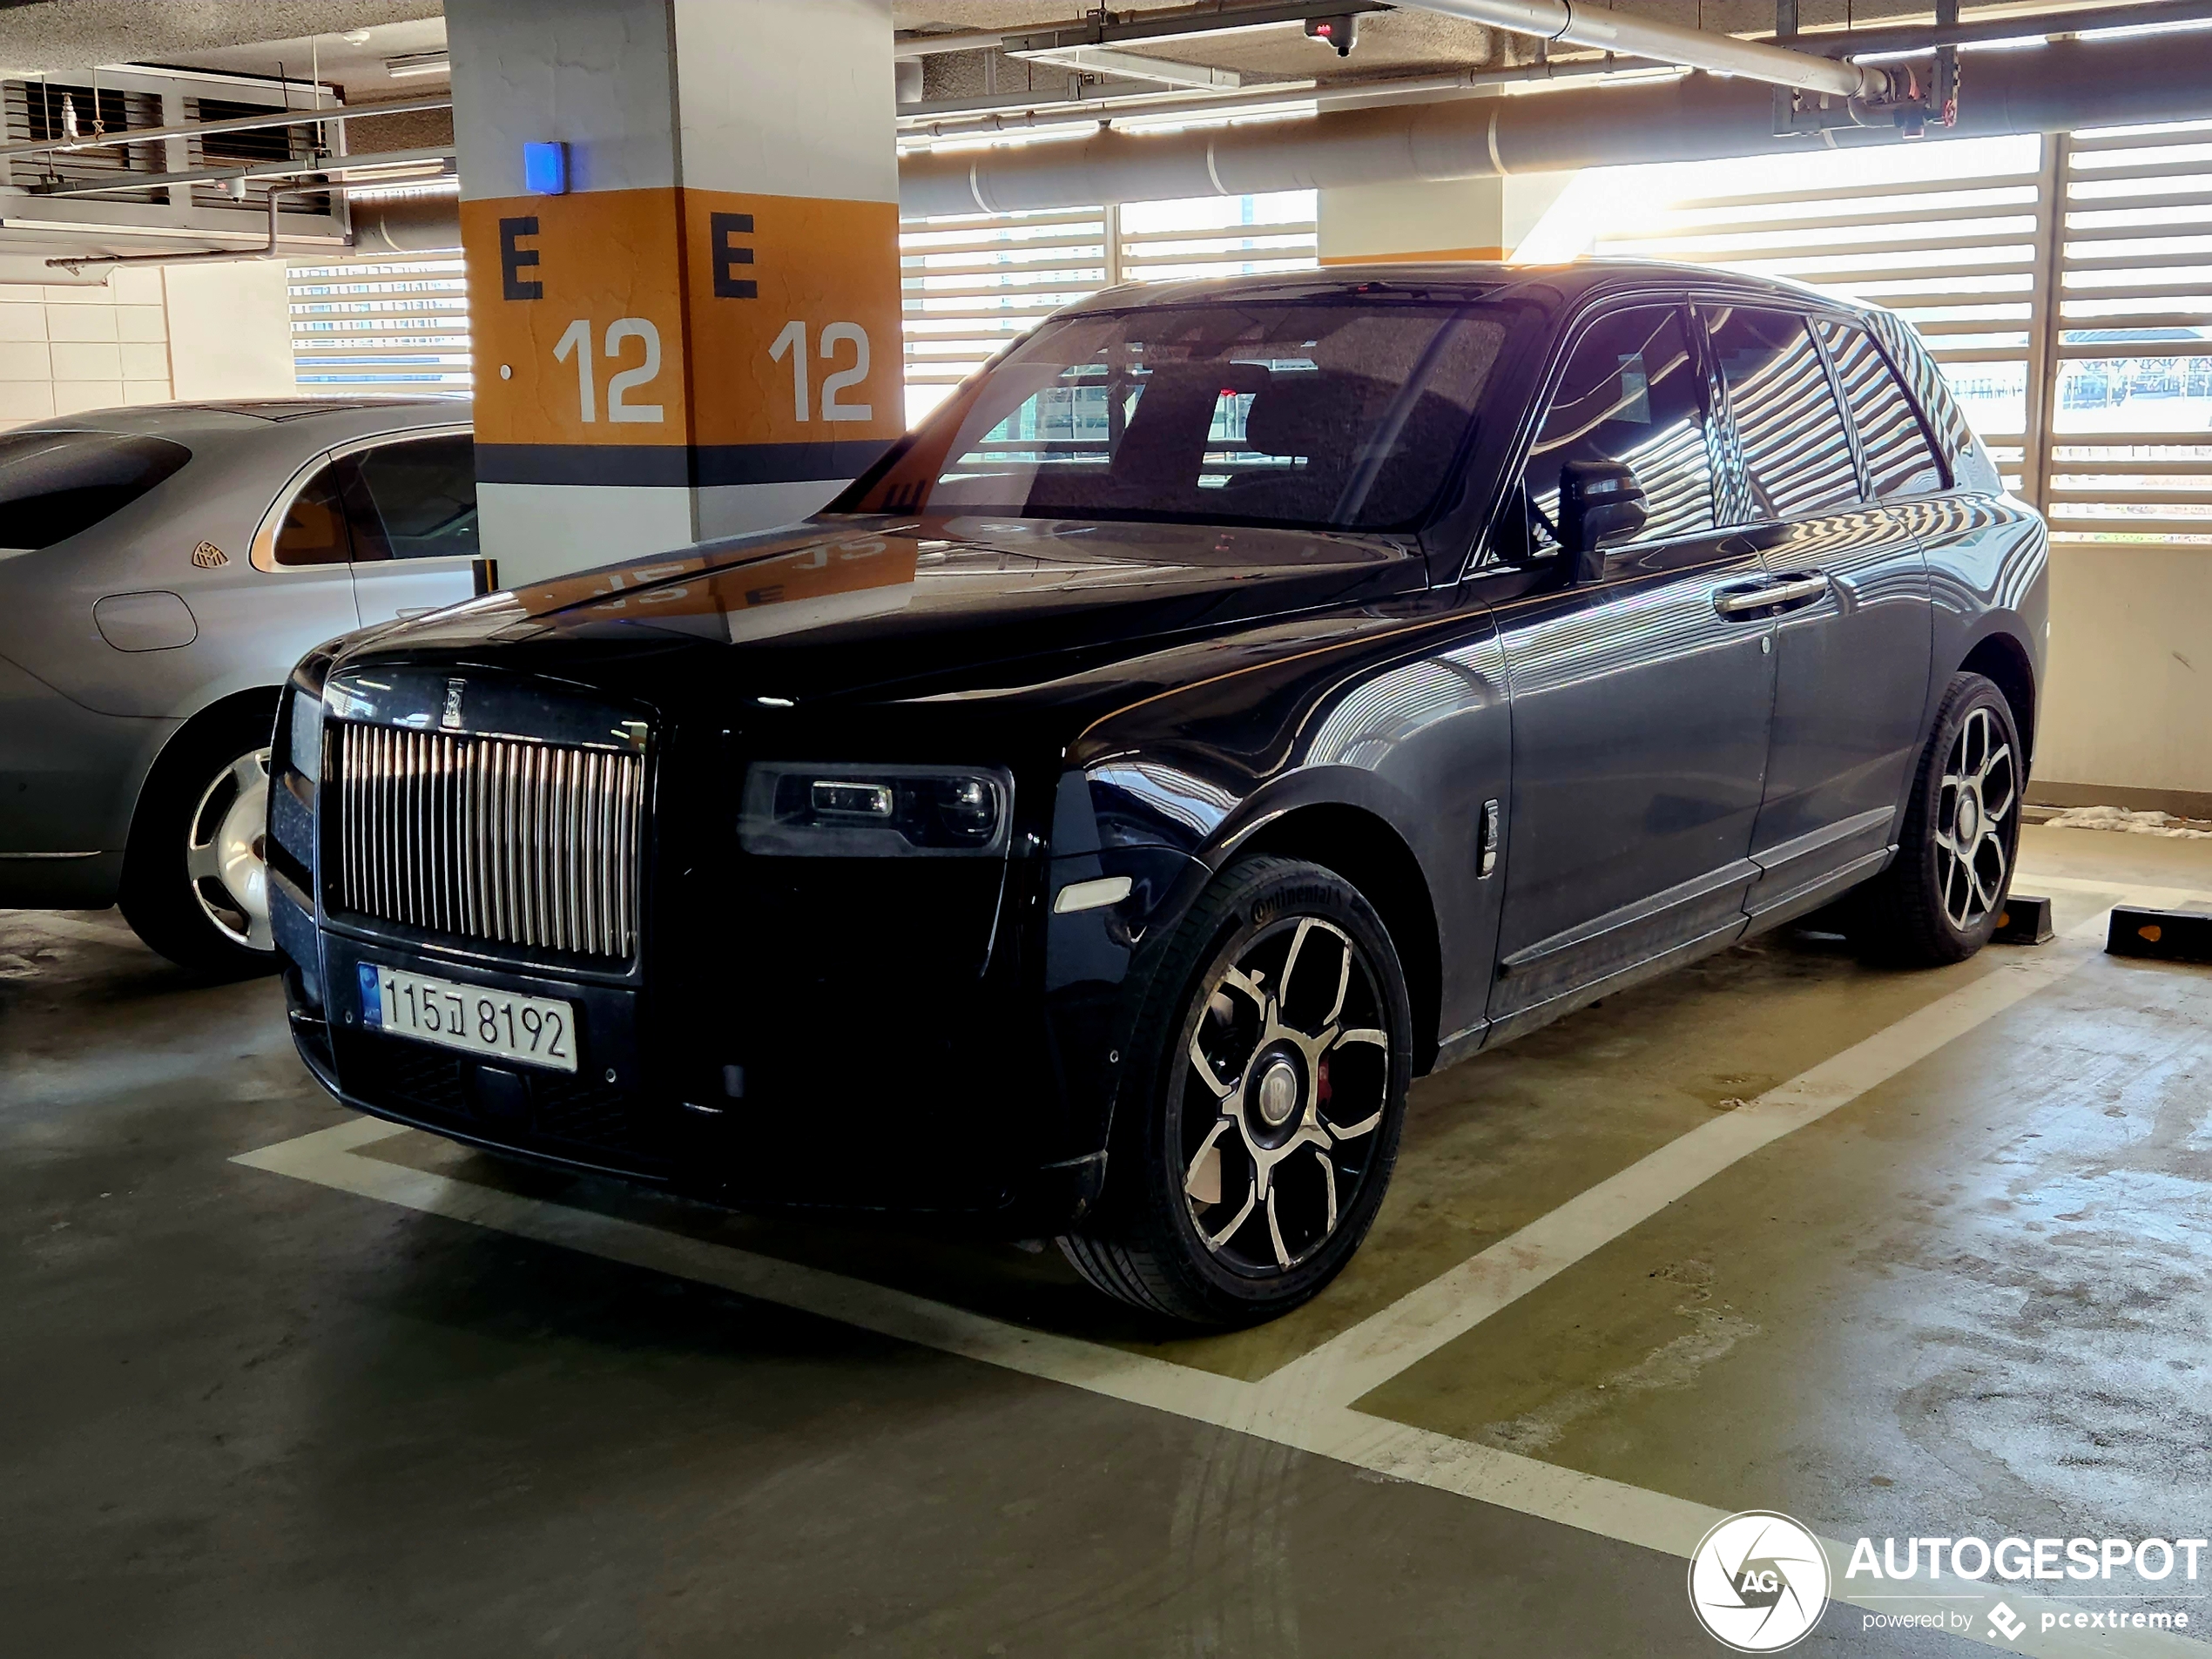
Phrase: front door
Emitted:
{"points": [[1641, 702], [1853, 627]]}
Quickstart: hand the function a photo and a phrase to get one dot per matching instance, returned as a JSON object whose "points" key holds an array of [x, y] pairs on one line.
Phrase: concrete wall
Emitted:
{"points": [[147, 336], [62, 349], [2127, 703]]}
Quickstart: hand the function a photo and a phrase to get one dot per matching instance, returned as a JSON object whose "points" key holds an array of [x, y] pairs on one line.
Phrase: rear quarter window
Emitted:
{"points": [[54, 485]]}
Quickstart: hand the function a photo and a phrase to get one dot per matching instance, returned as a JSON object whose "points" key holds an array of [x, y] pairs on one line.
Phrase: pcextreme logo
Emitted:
{"points": [[1758, 1581]]}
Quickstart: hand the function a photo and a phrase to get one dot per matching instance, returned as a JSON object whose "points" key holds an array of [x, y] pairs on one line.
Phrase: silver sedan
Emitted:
{"points": [[161, 569]]}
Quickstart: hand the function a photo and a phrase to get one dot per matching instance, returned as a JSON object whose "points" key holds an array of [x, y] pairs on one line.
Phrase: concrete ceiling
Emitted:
{"points": [[61, 35]]}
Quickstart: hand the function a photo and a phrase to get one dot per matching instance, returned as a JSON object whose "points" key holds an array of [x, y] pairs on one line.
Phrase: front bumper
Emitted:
{"points": [[869, 1137]]}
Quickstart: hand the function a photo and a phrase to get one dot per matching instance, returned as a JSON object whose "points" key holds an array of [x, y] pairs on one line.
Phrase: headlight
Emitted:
{"points": [[305, 751], [802, 810]]}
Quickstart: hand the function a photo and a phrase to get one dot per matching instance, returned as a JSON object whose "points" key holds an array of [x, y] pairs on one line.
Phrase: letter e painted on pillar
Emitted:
{"points": [[728, 255], [513, 260]]}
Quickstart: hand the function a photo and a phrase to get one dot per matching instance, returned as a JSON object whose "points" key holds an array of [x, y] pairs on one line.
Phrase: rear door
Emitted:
{"points": [[1641, 701], [1853, 622], [411, 504]]}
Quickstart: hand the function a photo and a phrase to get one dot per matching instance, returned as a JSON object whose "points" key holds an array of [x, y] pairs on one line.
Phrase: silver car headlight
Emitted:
{"points": [[305, 751], [804, 809]]}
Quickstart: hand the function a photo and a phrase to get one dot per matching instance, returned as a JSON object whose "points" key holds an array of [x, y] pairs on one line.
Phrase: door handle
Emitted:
{"points": [[1769, 595]]}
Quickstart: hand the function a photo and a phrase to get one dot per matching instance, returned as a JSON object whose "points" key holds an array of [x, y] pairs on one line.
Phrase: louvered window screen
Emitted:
{"points": [[394, 325], [974, 282], [2098, 409]]}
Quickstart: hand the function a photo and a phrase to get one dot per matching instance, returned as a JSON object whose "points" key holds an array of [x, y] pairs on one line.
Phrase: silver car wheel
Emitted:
{"points": [[1978, 797], [224, 851], [1284, 1081]]}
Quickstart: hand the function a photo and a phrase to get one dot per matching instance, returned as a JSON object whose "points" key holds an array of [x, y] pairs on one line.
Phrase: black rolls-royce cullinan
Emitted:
{"points": [[1240, 699]]}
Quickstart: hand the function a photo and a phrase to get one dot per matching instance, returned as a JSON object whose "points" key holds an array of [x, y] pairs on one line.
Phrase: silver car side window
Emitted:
{"points": [[314, 530]]}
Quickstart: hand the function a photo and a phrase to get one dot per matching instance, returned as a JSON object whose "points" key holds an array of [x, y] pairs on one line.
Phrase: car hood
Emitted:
{"points": [[844, 606]]}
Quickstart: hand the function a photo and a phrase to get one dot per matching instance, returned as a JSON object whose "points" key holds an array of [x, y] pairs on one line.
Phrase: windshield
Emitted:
{"points": [[1346, 412], [54, 485]]}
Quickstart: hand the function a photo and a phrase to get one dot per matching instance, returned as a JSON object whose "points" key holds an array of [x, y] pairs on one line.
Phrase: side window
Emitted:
{"points": [[1631, 393], [1797, 454], [417, 500], [1898, 460], [315, 529]]}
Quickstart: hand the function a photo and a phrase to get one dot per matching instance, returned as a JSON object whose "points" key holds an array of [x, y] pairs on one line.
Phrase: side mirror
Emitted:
{"points": [[1598, 501]]}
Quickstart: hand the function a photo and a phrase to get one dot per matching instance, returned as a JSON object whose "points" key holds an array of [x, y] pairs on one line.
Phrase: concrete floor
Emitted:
{"points": [[247, 1411]]}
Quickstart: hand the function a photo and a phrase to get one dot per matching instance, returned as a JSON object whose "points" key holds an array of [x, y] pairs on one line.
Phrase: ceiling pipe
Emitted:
{"points": [[1920, 37], [1221, 17], [2057, 88], [1192, 106], [1562, 23], [337, 114], [272, 249]]}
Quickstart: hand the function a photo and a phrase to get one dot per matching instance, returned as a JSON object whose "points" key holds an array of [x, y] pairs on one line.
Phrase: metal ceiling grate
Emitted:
{"points": [[394, 325]]}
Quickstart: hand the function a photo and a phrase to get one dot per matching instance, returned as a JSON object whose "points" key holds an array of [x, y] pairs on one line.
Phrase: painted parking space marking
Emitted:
{"points": [[1305, 1406], [1357, 1360]]}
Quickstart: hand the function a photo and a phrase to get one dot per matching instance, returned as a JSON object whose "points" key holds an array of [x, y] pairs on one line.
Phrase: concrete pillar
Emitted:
{"points": [[1462, 218], [698, 332]]}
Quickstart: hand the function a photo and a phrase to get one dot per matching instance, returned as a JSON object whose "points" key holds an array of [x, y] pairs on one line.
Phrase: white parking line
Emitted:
{"points": [[1590, 1503], [1306, 1404], [1357, 1360]]}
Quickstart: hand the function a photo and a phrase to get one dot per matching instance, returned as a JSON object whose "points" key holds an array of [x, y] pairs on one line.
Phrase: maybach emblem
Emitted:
{"points": [[208, 556]]}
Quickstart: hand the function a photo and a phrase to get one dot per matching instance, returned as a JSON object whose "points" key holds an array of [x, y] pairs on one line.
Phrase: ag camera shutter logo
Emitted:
{"points": [[1758, 1581]]}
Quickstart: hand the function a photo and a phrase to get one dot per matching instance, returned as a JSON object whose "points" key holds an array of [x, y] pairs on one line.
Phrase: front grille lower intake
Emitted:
{"points": [[497, 839]]}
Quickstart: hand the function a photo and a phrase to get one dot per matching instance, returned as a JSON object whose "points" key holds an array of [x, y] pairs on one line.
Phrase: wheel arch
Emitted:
{"points": [[2003, 660], [1366, 850], [231, 706]]}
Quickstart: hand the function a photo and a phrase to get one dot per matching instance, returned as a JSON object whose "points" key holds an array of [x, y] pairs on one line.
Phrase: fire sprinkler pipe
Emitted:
{"points": [[1564, 22], [2057, 88]]}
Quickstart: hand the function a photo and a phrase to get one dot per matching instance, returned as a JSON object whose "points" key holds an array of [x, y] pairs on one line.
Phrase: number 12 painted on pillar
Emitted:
{"points": [[792, 342], [575, 340]]}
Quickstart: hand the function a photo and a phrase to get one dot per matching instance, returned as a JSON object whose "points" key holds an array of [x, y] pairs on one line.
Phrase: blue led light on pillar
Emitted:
{"points": [[545, 169]]}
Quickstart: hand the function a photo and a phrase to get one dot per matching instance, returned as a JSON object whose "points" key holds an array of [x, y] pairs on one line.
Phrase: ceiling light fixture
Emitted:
{"points": [[412, 63]]}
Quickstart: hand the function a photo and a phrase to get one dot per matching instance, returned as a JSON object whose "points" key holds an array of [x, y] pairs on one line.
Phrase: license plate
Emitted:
{"points": [[532, 1029]]}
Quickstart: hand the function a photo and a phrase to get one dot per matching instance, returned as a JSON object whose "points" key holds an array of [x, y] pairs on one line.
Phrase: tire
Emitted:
{"points": [[1230, 1200], [195, 885], [1940, 899]]}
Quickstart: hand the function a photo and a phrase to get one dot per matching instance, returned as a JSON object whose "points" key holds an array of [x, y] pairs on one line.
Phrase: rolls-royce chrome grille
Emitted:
{"points": [[519, 843]]}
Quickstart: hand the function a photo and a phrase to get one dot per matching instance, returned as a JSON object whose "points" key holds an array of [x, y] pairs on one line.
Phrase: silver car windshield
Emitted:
{"points": [[1343, 413], [54, 485]]}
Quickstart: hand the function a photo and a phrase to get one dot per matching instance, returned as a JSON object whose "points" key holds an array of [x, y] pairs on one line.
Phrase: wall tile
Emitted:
{"points": [[87, 361], [146, 392], [22, 321], [141, 322], [24, 360], [136, 288], [80, 322], [69, 396], [31, 401], [146, 363], [77, 295]]}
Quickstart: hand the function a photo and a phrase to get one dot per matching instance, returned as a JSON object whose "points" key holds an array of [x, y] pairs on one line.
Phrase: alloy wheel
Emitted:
{"points": [[1284, 1083], [1979, 793], [226, 859]]}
